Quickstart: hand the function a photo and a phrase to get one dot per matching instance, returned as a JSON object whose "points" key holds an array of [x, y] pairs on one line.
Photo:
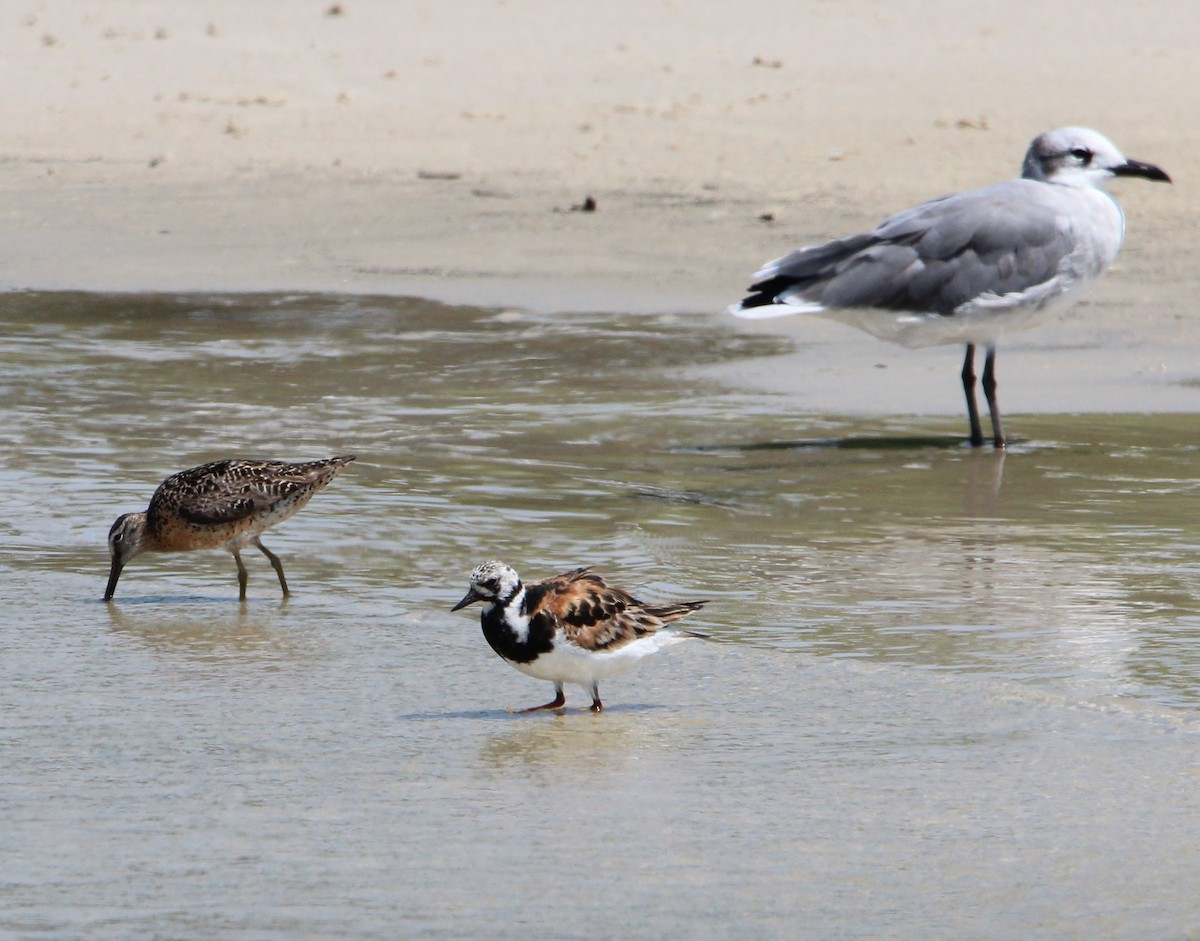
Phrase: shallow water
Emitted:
{"points": [[948, 693]]}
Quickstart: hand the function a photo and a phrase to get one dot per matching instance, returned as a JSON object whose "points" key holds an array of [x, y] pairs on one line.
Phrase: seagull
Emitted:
{"points": [[970, 267], [570, 628], [224, 504]]}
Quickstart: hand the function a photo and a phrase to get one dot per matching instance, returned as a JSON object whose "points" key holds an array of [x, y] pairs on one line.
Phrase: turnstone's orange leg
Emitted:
{"points": [[275, 564], [559, 701]]}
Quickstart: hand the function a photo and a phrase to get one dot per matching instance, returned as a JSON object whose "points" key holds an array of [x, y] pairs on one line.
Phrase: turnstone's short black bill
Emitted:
{"points": [[226, 505], [572, 628]]}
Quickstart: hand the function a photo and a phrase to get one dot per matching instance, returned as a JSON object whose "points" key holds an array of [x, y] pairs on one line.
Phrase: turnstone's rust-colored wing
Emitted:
{"points": [[596, 615]]}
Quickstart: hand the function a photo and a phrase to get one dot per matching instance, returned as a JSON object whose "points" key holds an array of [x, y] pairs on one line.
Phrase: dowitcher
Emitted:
{"points": [[571, 628], [225, 504]]}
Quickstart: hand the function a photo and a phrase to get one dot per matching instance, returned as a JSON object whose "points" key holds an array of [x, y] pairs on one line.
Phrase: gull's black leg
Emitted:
{"points": [[968, 381], [989, 392]]}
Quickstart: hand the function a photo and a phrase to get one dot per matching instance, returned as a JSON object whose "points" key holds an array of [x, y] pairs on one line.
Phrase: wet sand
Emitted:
{"points": [[364, 147], [947, 693]]}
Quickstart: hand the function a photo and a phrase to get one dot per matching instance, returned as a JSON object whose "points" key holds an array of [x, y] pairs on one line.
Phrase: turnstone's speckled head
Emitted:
{"points": [[493, 583]]}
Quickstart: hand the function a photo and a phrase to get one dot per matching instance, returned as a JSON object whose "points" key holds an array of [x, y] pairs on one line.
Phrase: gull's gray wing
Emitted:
{"points": [[1006, 239]]}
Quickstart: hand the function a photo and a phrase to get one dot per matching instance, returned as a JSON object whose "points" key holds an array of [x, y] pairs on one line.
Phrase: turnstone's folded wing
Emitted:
{"points": [[596, 615]]}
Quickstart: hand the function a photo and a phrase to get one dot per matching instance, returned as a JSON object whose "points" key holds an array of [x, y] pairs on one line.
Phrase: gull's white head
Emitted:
{"points": [[1079, 156]]}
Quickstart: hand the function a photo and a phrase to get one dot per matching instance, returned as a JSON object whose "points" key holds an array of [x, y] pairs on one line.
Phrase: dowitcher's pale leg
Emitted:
{"points": [[989, 393], [968, 382], [275, 564], [237, 557], [597, 705], [559, 701]]}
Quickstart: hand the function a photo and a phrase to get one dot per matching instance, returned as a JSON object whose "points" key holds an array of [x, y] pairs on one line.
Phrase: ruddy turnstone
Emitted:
{"points": [[225, 504], [572, 628], [970, 267]]}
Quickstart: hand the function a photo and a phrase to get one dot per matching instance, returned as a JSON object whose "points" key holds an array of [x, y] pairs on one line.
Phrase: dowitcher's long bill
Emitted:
{"points": [[226, 505], [970, 267], [572, 628]]}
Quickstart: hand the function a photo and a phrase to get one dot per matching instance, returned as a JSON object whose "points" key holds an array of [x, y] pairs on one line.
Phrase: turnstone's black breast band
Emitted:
{"points": [[503, 639]]}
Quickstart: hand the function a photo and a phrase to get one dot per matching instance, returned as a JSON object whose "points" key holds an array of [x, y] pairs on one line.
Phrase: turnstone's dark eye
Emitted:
{"points": [[1082, 154]]}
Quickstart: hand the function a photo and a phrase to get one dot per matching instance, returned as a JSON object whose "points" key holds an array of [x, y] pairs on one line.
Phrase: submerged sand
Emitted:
{"points": [[446, 150]]}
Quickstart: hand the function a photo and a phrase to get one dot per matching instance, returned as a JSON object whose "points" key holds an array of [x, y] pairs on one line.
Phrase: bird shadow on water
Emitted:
{"points": [[872, 444], [856, 443], [519, 715]]}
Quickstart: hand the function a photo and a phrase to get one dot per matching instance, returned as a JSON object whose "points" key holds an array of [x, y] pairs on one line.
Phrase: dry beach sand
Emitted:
{"points": [[437, 149]]}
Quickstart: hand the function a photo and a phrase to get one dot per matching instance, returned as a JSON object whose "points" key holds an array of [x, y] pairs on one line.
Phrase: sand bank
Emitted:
{"points": [[439, 149]]}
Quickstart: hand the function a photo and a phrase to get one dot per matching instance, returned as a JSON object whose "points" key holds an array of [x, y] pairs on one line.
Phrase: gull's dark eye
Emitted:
{"points": [[1083, 155]]}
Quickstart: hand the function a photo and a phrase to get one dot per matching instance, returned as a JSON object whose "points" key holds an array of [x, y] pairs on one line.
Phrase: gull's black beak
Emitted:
{"points": [[113, 575], [469, 598], [1147, 171]]}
